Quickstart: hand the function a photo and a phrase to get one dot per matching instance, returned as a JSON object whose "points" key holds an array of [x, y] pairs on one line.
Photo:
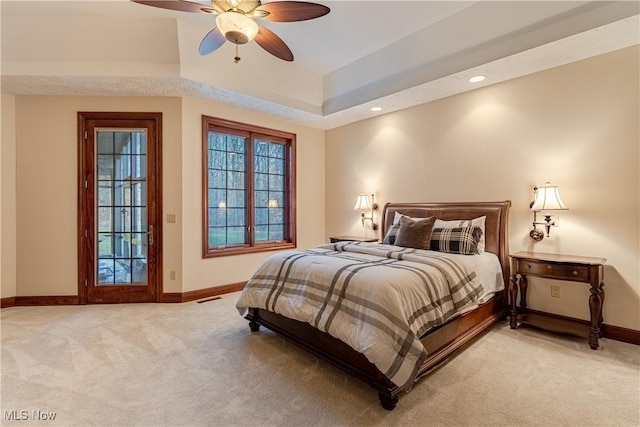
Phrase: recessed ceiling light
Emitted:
{"points": [[376, 108], [476, 79]]}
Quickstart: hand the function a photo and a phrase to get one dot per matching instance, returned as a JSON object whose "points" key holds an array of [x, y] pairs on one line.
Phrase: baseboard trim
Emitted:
{"points": [[177, 297], [616, 333], [7, 302], [172, 297], [212, 292], [47, 300]]}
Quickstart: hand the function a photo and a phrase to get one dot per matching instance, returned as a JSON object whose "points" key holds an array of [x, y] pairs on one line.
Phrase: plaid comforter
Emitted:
{"points": [[378, 299]]}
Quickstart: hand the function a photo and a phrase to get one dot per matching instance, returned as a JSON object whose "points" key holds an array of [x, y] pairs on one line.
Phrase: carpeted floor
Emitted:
{"points": [[199, 365]]}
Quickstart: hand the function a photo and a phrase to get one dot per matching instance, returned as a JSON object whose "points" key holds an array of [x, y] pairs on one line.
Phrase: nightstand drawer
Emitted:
{"points": [[553, 271]]}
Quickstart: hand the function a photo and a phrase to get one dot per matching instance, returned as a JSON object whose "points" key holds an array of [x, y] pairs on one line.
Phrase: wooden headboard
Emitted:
{"points": [[496, 223]]}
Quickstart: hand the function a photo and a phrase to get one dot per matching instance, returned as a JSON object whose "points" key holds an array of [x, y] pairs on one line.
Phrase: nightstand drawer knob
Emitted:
{"points": [[528, 265], [549, 267], [575, 272]]}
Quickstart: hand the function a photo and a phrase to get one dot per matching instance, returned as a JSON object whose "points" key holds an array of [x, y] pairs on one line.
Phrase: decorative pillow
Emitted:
{"points": [[415, 234], [456, 240], [397, 216], [477, 222], [390, 237]]}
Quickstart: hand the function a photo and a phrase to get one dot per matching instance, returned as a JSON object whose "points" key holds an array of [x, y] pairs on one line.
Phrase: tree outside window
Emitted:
{"points": [[249, 188]]}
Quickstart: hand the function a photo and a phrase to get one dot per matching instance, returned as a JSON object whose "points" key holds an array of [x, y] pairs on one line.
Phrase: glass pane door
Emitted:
{"points": [[121, 207]]}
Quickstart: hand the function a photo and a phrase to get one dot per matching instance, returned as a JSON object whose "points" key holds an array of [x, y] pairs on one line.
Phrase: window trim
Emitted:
{"points": [[289, 141]]}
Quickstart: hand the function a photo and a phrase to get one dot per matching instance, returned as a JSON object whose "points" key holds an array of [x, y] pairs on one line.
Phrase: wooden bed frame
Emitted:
{"points": [[440, 342]]}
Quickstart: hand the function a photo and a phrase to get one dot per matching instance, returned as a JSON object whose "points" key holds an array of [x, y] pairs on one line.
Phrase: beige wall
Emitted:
{"points": [[46, 165], [8, 198], [45, 162], [576, 126], [202, 273]]}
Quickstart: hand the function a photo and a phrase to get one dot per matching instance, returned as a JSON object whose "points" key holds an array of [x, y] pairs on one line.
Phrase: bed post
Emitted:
{"points": [[388, 402], [252, 316]]}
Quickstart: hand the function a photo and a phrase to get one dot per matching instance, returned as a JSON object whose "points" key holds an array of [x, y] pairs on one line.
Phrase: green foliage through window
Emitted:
{"points": [[249, 192]]}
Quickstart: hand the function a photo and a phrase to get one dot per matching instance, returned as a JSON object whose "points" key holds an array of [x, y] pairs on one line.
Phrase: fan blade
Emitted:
{"points": [[290, 11], [273, 44], [213, 40], [180, 5]]}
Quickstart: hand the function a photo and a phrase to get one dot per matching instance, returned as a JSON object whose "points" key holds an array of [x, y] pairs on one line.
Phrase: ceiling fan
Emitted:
{"points": [[236, 21]]}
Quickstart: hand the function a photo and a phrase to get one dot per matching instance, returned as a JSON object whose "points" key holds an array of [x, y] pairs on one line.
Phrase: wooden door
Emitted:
{"points": [[119, 207]]}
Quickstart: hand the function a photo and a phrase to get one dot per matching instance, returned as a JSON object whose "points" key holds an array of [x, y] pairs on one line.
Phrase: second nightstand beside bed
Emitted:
{"points": [[560, 267]]}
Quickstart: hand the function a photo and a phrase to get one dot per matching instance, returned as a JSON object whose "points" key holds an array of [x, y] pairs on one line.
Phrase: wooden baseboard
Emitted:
{"points": [[616, 333], [7, 302], [173, 297], [40, 300], [212, 292]]}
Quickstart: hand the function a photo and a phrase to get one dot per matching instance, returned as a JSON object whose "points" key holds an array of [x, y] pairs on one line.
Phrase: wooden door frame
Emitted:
{"points": [[85, 273]]}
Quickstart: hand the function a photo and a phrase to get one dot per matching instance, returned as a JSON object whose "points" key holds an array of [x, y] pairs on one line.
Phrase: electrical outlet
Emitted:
{"points": [[172, 275], [555, 291]]}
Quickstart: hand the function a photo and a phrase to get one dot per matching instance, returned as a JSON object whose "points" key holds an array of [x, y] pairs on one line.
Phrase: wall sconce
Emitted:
{"points": [[546, 199], [363, 205]]}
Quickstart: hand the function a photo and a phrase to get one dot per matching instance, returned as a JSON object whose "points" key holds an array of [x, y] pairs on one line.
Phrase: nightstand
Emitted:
{"points": [[560, 267], [336, 239]]}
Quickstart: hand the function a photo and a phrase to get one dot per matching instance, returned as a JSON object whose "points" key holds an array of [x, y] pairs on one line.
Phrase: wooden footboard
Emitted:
{"points": [[329, 349], [441, 343]]}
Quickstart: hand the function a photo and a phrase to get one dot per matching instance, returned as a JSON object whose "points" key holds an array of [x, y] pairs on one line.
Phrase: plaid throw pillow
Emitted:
{"points": [[477, 222], [456, 240]]}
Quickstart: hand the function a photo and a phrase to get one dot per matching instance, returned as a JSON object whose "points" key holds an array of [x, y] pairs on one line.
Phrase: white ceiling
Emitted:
{"points": [[394, 54]]}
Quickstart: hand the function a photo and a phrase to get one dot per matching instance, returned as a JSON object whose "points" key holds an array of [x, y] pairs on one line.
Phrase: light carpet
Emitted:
{"points": [[198, 364]]}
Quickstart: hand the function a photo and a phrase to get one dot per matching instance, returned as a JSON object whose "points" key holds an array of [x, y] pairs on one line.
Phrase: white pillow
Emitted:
{"points": [[396, 218], [478, 222]]}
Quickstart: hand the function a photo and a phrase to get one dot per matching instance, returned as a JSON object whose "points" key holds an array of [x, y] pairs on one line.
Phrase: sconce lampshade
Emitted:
{"points": [[548, 199], [362, 203]]}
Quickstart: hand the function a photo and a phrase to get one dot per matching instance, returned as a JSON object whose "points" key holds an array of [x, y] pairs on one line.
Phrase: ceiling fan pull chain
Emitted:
{"points": [[237, 58]]}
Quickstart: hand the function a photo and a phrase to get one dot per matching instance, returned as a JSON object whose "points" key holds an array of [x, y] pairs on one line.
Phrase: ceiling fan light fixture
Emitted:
{"points": [[237, 27], [236, 21]]}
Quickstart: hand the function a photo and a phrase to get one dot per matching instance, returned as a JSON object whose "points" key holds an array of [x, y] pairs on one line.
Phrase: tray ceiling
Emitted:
{"points": [[393, 54]]}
